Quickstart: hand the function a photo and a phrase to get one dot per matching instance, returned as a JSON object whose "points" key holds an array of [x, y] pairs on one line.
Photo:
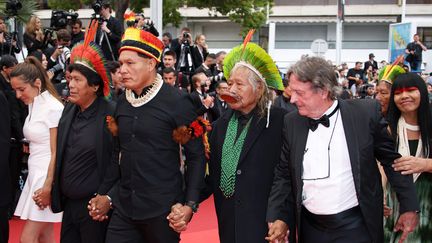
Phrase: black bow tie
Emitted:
{"points": [[324, 120]]}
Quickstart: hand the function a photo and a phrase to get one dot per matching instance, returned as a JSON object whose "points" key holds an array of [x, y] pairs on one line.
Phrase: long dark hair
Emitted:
{"points": [[424, 118]]}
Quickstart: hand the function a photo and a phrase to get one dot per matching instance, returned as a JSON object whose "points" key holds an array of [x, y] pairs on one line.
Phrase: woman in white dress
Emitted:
{"points": [[32, 86]]}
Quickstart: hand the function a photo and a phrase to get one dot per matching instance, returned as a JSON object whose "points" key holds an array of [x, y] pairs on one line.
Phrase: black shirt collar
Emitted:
{"points": [[89, 112]]}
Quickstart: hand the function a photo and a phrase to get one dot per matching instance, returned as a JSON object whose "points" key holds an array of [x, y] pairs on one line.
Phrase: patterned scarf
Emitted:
{"points": [[231, 151]]}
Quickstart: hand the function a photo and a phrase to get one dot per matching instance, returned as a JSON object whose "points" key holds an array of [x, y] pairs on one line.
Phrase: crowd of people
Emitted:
{"points": [[125, 134]]}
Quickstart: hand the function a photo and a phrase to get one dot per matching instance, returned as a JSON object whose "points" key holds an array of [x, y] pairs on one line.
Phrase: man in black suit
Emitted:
{"points": [[112, 29], [5, 181], [370, 62], [17, 113], [327, 176], [203, 102], [220, 106], [245, 146], [84, 150]]}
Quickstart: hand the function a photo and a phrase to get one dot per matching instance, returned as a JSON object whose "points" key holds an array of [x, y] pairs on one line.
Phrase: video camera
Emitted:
{"points": [[12, 7], [97, 6], [60, 19], [187, 37]]}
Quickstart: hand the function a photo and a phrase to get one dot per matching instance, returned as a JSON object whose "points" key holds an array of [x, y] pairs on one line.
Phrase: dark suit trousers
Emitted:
{"points": [[4, 224], [355, 233], [122, 229], [78, 226]]}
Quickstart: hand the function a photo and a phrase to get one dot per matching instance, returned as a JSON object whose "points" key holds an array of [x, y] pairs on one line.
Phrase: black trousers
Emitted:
{"points": [[4, 224], [122, 229], [78, 226], [343, 228]]}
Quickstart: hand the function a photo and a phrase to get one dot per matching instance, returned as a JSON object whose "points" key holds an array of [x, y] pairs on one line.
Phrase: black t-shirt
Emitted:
{"points": [[417, 50], [354, 73]]}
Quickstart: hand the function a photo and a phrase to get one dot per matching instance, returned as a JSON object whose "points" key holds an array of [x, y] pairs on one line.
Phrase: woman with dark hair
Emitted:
{"points": [[32, 86], [410, 123]]}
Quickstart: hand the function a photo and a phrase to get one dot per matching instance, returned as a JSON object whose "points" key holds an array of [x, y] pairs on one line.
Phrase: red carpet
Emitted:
{"points": [[203, 226]]}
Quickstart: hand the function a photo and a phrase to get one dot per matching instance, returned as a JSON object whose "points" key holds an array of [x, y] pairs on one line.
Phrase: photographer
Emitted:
{"points": [[59, 55], [208, 68], [199, 50], [6, 41], [203, 101], [185, 38], [414, 50], [145, 24], [112, 28], [34, 35], [77, 33]]}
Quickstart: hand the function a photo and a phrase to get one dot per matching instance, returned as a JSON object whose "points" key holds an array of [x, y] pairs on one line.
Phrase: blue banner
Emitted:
{"points": [[400, 35]]}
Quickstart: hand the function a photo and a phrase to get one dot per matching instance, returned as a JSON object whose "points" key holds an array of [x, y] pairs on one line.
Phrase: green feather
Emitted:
{"points": [[258, 58], [392, 75]]}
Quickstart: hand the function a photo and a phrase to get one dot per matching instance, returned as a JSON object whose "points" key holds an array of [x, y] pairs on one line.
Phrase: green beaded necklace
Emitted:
{"points": [[231, 151]]}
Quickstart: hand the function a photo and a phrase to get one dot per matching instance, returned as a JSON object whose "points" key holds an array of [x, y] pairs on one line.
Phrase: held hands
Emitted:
{"points": [[112, 125], [42, 197], [98, 207], [179, 217], [407, 222], [409, 165], [387, 211], [278, 232]]}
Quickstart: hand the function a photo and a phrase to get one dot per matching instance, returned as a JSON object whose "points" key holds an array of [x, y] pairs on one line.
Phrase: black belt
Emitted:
{"points": [[345, 220]]}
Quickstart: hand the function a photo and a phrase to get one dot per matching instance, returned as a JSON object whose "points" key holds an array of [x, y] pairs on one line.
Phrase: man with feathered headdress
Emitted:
{"points": [[150, 181], [84, 143], [245, 145]]}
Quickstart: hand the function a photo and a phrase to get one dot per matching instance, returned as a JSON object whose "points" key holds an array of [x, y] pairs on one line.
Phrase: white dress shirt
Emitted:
{"points": [[328, 184]]}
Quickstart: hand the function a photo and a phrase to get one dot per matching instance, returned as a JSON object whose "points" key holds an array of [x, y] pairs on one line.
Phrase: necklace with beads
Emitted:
{"points": [[147, 96]]}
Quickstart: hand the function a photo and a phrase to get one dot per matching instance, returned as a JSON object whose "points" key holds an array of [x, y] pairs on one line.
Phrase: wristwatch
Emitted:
{"points": [[193, 205]]}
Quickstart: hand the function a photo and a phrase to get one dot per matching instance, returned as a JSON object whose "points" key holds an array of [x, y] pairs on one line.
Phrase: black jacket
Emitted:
{"points": [[367, 139], [17, 110], [150, 181], [242, 218], [104, 146], [114, 37], [5, 180]]}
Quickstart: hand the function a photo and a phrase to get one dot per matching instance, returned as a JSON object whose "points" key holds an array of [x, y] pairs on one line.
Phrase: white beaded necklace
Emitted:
{"points": [[149, 95]]}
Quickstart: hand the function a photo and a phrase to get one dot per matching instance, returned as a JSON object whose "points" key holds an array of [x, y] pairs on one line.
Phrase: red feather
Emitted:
{"points": [[248, 38]]}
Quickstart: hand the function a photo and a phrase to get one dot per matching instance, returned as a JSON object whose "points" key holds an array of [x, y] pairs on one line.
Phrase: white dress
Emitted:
{"points": [[44, 113]]}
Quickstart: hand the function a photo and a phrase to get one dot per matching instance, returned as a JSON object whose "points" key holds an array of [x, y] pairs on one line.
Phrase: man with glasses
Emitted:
{"points": [[327, 176]]}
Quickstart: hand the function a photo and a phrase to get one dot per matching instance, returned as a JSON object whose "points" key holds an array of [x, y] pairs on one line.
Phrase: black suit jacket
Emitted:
{"points": [[17, 109], [217, 110], [150, 181], [114, 38], [242, 218], [367, 139], [368, 63], [197, 59], [5, 180], [103, 140]]}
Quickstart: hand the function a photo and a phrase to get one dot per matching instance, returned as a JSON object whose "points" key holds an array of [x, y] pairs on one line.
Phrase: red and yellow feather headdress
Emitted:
{"points": [[143, 42], [90, 55]]}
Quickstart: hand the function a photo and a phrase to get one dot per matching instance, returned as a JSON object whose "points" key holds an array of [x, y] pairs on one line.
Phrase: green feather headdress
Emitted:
{"points": [[257, 58], [390, 72]]}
